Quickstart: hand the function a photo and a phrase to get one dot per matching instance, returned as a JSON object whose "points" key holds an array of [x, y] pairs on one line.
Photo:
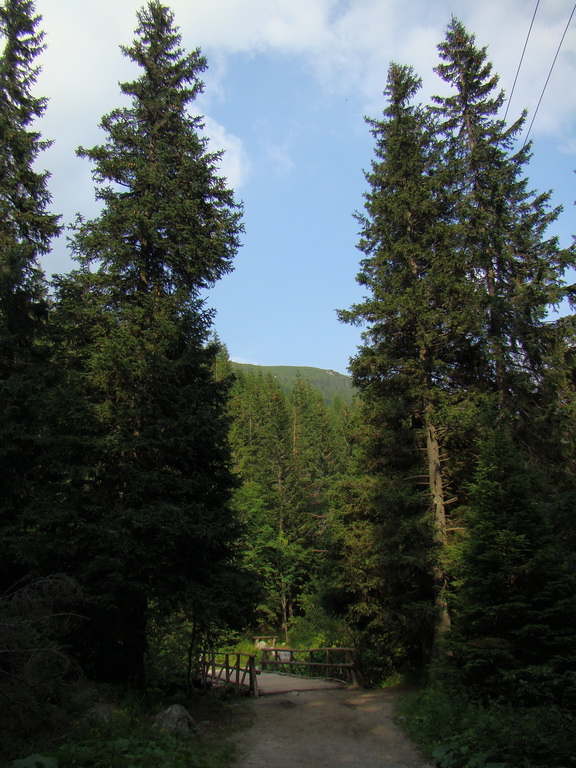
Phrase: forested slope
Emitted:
{"points": [[330, 383]]}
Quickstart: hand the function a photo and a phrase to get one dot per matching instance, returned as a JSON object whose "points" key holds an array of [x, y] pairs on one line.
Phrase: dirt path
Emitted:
{"points": [[326, 729]]}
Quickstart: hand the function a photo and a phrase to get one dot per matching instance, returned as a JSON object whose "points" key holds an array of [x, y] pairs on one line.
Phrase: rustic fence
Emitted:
{"points": [[222, 668], [334, 663]]}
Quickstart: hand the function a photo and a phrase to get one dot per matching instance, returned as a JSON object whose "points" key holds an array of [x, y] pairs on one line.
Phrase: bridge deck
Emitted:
{"points": [[271, 682], [240, 669]]}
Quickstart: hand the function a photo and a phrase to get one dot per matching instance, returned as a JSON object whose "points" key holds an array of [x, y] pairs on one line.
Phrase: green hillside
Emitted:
{"points": [[330, 383]]}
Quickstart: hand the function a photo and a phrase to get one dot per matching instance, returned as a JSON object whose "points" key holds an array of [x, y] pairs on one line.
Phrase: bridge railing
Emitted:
{"points": [[221, 667], [335, 663]]}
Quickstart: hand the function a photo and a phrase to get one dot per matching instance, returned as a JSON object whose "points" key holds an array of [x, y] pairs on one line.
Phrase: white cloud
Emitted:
{"points": [[235, 164], [350, 44], [347, 44]]}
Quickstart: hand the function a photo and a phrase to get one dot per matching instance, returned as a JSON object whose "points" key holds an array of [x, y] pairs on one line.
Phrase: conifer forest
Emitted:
{"points": [[158, 500]]}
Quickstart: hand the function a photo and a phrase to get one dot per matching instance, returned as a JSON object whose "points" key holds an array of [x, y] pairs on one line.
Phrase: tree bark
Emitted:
{"points": [[436, 487]]}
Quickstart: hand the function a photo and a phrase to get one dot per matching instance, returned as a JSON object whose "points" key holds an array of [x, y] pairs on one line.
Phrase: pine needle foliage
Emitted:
{"points": [[460, 275], [27, 225], [138, 475], [515, 270], [26, 231]]}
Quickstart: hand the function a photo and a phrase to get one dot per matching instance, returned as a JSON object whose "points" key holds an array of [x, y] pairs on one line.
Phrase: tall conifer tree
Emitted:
{"points": [[25, 235], [514, 269], [27, 225], [516, 273], [412, 362], [141, 493], [461, 276]]}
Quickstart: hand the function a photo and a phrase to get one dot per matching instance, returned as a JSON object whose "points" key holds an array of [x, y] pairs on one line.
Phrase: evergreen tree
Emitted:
{"points": [[515, 271], [414, 360], [139, 480], [28, 227], [515, 609], [25, 235], [461, 276], [287, 454]]}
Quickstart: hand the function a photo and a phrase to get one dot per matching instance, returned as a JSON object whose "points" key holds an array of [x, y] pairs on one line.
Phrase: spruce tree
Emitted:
{"points": [[28, 227], [413, 363], [25, 235], [515, 606], [516, 273], [460, 275], [140, 478], [514, 270]]}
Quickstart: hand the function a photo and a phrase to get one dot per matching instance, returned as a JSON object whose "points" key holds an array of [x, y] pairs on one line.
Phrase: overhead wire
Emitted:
{"points": [[549, 74], [521, 59]]}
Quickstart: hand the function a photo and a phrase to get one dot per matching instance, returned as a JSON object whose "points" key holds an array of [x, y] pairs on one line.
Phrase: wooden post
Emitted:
{"points": [[253, 676], [203, 672], [353, 672]]}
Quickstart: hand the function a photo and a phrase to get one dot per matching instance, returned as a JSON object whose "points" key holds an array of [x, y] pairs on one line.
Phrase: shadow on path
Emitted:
{"points": [[338, 728]]}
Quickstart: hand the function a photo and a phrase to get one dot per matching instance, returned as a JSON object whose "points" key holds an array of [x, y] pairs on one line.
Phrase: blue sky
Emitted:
{"points": [[288, 85]]}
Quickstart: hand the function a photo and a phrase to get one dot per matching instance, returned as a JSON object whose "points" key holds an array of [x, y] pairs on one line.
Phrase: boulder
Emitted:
{"points": [[176, 719]]}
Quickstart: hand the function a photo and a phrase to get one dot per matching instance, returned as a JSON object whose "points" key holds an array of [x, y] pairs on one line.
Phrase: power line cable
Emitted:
{"points": [[521, 59], [548, 78]]}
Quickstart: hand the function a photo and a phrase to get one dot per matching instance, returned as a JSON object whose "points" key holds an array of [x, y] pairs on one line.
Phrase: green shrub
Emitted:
{"points": [[155, 750], [458, 733], [118, 734]]}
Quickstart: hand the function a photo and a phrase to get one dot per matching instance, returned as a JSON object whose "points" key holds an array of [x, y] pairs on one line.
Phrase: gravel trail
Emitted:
{"points": [[326, 729]]}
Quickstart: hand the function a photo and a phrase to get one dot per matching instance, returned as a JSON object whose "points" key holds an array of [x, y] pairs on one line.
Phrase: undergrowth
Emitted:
{"points": [[122, 736], [458, 733]]}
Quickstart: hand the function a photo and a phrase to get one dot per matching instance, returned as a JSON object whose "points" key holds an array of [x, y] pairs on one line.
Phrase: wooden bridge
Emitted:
{"points": [[280, 669]]}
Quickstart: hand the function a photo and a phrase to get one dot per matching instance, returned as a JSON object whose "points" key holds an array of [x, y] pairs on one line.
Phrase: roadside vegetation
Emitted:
{"points": [[454, 731]]}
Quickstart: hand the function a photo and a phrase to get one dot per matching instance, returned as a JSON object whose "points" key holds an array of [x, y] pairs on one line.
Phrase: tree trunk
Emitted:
{"points": [[435, 482]]}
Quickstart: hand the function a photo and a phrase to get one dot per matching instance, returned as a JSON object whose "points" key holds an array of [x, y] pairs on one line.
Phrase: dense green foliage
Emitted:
{"points": [[25, 236], [128, 467], [288, 451], [464, 463], [117, 733], [456, 732]]}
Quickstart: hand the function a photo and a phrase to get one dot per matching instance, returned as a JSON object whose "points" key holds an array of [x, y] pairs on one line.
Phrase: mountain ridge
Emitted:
{"points": [[328, 382]]}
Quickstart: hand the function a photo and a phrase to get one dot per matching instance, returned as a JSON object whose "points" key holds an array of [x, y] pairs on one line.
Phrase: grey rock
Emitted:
{"points": [[176, 719]]}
